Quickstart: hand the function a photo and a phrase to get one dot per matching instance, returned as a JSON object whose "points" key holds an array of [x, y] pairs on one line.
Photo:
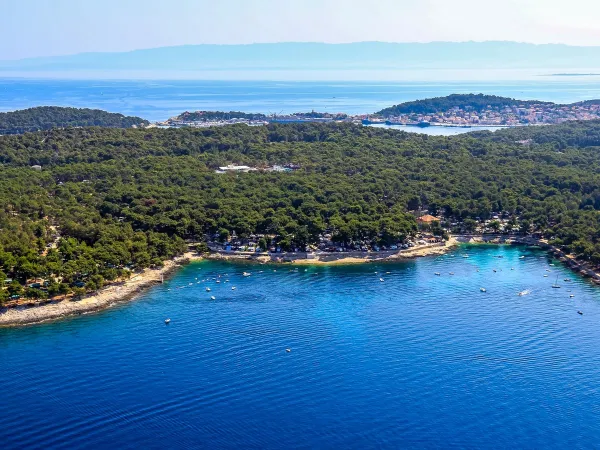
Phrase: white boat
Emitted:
{"points": [[522, 293], [233, 288], [382, 280], [167, 321], [246, 274], [218, 281], [438, 274], [207, 289], [213, 298], [571, 296], [556, 285], [522, 257], [482, 289]]}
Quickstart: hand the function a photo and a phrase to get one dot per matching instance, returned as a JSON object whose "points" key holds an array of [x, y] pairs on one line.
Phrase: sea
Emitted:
{"points": [[157, 100], [415, 360]]}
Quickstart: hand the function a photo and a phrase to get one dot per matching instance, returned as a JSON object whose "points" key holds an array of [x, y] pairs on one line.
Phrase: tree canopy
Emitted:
{"points": [[111, 199], [47, 117]]}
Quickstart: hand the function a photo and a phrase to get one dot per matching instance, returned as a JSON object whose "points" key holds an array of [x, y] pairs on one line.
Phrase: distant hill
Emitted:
{"points": [[311, 56], [46, 117], [476, 102]]}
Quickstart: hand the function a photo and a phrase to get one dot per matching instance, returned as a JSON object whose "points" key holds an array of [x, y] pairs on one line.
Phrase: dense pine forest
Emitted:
{"points": [[82, 205], [47, 117]]}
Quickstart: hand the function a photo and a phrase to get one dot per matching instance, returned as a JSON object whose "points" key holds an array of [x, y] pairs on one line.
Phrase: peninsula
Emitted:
{"points": [[456, 110]]}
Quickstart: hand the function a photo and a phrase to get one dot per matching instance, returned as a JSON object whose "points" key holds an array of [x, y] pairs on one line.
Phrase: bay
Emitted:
{"points": [[416, 360]]}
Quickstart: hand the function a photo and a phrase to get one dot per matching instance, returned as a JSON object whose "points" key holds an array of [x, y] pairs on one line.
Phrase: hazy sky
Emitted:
{"points": [[57, 27]]}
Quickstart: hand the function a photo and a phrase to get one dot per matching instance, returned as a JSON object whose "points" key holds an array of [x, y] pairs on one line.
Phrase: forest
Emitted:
{"points": [[47, 117], [110, 200], [473, 102]]}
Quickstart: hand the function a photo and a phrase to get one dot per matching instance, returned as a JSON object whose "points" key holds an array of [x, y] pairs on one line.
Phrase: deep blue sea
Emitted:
{"points": [[418, 360], [159, 100]]}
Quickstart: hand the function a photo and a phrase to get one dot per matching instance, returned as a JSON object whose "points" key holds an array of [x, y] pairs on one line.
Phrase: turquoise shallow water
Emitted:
{"points": [[416, 360]]}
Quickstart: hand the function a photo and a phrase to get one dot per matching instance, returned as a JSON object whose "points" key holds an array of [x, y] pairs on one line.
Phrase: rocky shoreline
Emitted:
{"points": [[105, 298], [127, 290]]}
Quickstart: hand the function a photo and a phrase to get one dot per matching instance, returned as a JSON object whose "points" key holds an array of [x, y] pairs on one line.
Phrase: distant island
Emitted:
{"points": [[301, 57], [47, 117]]}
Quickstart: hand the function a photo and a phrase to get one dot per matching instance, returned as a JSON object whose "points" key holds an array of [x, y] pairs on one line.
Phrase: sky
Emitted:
{"points": [[32, 28]]}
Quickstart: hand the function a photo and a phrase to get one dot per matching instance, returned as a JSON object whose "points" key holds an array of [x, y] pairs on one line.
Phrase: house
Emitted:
{"points": [[234, 168], [427, 218]]}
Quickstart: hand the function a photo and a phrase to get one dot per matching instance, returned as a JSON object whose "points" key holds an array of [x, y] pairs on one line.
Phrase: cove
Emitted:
{"points": [[415, 360]]}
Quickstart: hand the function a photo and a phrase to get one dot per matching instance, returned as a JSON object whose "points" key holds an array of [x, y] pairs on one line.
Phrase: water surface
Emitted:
{"points": [[159, 100], [416, 360]]}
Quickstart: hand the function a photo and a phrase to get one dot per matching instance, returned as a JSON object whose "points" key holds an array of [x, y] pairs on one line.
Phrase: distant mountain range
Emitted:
{"points": [[320, 56]]}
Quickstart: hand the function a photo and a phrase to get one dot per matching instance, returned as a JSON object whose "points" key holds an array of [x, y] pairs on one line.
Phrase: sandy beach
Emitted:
{"points": [[105, 298], [339, 258]]}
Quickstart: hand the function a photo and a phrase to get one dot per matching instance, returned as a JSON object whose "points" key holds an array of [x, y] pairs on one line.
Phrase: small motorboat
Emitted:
{"points": [[438, 274], [288, 350], [246, 274], [207, 289], [213, 297], [482, 289], [580, 313], [450, 273], [522, 293], [382, 280], [218, 281], [571, 296], [233, 288], [167, 321], [567, 279], [522, 257], [546, 276]]}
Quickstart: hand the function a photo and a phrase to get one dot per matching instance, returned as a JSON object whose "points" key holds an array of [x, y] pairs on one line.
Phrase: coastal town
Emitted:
{"points": [[512, 115], [508, 116]]}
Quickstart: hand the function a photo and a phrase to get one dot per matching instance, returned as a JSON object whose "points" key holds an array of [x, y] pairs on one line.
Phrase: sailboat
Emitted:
{"points": [[556, 285]]}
